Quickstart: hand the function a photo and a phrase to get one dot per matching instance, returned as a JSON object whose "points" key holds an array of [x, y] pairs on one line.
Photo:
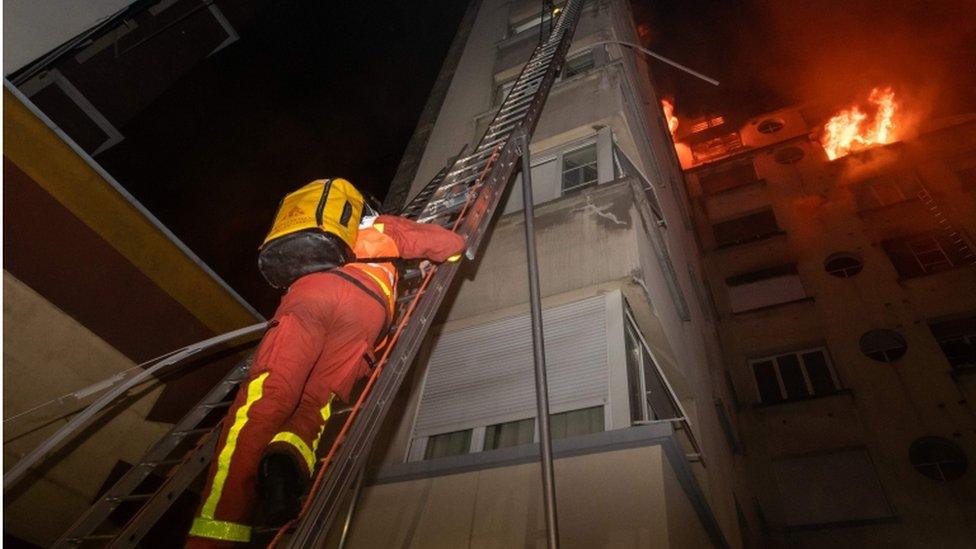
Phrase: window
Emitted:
{"points": [[703, 125], [885, 191], [501, 91], [578, 65], [829, 488], [883, 345], [737, 175], [770, 125], [576, 422], [512, 433], [746, 228], [764, 288], [716, 148], [927, 253], [843, 264], [958, 341], [938, 458], [479, 378], [794, 376], [650, 398], [448, 444], [562, 425], [579, 168], [789, 155]]}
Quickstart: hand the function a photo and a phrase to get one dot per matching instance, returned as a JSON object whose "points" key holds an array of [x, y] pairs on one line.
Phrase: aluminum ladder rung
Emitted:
{"points": [[130, 497], [189, 432]]}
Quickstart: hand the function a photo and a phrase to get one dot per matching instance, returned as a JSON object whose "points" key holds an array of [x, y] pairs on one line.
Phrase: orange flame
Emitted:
{"points": [[849, 130], [669, 116]]}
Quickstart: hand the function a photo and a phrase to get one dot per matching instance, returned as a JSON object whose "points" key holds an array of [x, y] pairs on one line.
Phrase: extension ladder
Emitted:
{"points": [[463, 197]]}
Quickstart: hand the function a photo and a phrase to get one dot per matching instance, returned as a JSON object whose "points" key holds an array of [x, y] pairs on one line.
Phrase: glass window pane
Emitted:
{"points": [[789, 370], [576, 422], [448, 444], [766, 380], [579, 167], [633, 375], [657, 393], [512, 433], [819, 373]]}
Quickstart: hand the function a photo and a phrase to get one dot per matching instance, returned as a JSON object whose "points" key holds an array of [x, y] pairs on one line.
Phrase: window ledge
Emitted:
{"points": [[877, 210], [937, 273], [756, 182], [606, 441], [808, 299], [767, 236], [893, 519], [840, 392]]}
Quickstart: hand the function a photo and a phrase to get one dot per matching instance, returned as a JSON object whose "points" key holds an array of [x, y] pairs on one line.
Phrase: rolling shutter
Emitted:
{"points": [[483, 375]]}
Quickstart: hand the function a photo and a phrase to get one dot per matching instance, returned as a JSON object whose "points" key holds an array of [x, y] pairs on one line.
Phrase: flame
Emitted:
{"points": [[850, 130], [669, 115]]}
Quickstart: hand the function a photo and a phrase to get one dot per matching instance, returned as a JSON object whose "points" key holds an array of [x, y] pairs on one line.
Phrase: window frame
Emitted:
{"points": [[562, 167], [784, 394]]}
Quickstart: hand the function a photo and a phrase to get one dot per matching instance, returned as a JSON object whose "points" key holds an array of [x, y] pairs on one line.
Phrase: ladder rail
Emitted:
{"points": [[77, 423], [99, 512], [472, 222]]}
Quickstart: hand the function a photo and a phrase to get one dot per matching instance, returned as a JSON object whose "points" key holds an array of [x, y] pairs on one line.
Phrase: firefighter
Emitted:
{"points": [[321, 341]]}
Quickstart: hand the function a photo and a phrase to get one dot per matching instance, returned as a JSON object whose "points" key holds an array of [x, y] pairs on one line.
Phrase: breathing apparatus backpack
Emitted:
{"points": [[314, 230]]}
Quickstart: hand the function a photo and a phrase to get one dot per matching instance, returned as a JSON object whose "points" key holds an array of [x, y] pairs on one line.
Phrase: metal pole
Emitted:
{"points": [[539, 351], [352, 509], [659, 57]]}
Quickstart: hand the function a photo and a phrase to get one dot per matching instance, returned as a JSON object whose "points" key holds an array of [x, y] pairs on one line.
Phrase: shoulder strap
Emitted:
{"points": [[369, 291]]}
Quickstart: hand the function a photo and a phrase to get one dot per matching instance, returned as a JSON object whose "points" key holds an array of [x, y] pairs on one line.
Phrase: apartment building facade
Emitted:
{"points": [[641, 413], [846, 297]]}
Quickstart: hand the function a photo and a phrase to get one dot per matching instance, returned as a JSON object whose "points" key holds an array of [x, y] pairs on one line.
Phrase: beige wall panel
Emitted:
{"points": [[615, 499], [48, 354]]}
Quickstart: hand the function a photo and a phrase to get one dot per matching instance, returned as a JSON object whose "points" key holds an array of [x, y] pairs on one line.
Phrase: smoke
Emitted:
{"points": [[773, 53], [835, 51]]}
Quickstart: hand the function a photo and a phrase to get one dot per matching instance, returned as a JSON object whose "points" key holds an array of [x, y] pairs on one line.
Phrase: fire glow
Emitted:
{"points": [[669, 115], [853, 129]]}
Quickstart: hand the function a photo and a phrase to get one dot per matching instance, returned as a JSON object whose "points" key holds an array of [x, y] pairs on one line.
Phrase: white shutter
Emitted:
{"points": [[483, 374], [766, 292]]}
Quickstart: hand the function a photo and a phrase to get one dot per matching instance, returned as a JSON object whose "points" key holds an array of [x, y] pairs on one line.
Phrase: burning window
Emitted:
{"points": [[927, 253], [716, 148], [707, 123], [861, 126]]}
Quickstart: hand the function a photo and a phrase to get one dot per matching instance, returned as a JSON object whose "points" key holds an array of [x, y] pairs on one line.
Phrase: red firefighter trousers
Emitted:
{"points": [[325, 326]]}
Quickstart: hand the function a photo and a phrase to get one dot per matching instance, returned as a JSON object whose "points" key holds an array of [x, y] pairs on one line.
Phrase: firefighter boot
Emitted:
{"points": [[281, 484]]}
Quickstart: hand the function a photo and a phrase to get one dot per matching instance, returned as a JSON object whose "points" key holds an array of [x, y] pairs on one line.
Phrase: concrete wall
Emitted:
{"points": [[883, 407], [502, 507], [47, 354]]}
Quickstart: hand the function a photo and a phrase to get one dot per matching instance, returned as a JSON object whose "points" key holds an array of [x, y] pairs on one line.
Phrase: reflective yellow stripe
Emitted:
{"points": [[326, 414], [219, 529], [378, 227], [296, 441], [254, 391], [308, 454]]}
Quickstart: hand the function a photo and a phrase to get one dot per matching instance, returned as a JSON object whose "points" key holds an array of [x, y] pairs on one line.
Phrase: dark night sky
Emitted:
{"points": [[317, 89]]}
